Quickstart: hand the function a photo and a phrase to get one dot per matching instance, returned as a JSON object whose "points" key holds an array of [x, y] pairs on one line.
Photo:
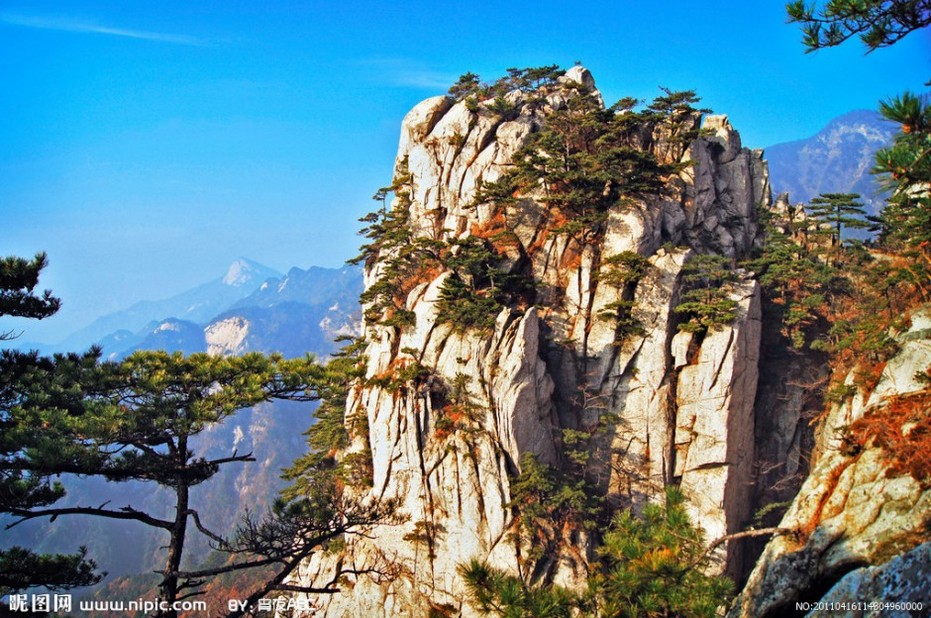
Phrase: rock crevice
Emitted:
{"points": [[662, 406]]}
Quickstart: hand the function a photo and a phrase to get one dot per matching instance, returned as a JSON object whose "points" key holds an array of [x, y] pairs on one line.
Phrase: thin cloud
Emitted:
{"points": [[408, 74], [63, 24]]}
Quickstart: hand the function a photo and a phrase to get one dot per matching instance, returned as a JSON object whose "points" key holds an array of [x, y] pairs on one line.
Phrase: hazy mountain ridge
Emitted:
{"points": [[199, 304], [294, 314], [837, 159], [304, 310], [313, 286]]}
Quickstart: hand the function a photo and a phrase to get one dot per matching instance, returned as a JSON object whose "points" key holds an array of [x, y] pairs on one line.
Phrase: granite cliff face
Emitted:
{"points": [[858, 528], [660, 405]]}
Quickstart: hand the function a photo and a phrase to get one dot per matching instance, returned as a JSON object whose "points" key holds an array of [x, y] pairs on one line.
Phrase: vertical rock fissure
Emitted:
{"points": [[533, 374], [426, 488], [727, 350]]}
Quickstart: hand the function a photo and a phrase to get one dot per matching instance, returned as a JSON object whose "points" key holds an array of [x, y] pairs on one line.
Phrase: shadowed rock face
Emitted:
{"points": [[678, 408], [851, 510]]}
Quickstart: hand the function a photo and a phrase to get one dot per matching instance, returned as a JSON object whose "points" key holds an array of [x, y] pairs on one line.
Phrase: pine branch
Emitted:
{"points": [[221, 542], [745, 534], [306, 589], [238, 566], [127, 512]]}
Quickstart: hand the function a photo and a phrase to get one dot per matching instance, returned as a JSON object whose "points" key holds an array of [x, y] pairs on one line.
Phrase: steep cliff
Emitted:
{"points": [[858, 528], [582, 363]]}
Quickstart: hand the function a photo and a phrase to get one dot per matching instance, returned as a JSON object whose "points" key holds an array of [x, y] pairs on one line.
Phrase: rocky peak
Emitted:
{"points": [[521, 304], [244, 272], [837, 159]]}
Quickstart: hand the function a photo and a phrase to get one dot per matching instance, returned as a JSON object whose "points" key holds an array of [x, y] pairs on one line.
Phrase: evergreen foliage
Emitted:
{"points": [[495, 593], [531, 80], [32, 454], [548, 503], [707, 304], [905, 167], [649, 566], [21, 569], [586, 159], [652, 566], [331, 433], [460, 413], [795, 284], [18, 280], [155, 403], [832, 214], [677, 120], [402, 256], [871, 296], [477, 289], [878, 23], [623, 271], [136, 420]]}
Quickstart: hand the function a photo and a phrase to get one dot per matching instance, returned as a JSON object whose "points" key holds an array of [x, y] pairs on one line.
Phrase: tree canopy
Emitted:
{"points": [[137, 422], [651, 566], [26, 380], [18, 280]]}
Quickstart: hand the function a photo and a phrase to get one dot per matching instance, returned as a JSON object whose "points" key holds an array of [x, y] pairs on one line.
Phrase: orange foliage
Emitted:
{"points": [[538, 242], [451, 418], [427, 272], [486, 230], [571, 258], [901, 427], [867, 375], [235, 585], [496, 231], [396, 364]]}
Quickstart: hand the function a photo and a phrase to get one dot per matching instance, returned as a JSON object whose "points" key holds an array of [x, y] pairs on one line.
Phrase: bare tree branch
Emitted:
{"points": [[126, 512], [220, 541], [775, 531]]}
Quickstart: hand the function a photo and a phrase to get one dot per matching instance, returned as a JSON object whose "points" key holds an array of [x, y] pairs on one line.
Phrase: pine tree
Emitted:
{"points": [[18, 280], [652, 566], [28, 381], [401, 255], [905, 168], [494, 593], [707, 304], [138, 420], [586, 159], [795, 285], [833, 213], [649, 566]]}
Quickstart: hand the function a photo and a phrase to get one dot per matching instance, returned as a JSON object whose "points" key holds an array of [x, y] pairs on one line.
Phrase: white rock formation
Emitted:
{"points": [[678, 408], [851, 511], [227, 337]]}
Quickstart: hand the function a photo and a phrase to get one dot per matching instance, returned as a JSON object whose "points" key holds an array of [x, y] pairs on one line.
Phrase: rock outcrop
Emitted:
{"points": [[659, 405], [857, 509]]}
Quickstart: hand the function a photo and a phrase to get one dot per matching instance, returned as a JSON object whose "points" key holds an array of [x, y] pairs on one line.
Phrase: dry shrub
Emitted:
{"points": [[496, 231], [901, 427]]}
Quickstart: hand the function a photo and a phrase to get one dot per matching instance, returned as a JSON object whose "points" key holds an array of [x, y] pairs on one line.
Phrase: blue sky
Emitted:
{"points": [[146, 145]]}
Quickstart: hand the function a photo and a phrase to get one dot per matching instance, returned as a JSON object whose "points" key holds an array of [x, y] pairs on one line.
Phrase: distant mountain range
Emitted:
{"points": [[250, 308], [199, 304], [838, 159]]}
